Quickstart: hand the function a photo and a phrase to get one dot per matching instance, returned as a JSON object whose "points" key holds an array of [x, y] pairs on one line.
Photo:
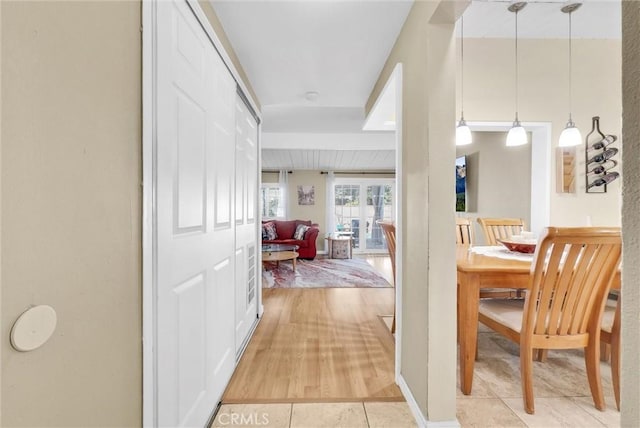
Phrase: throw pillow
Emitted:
{"points": [[269, 232], [300, 231]]}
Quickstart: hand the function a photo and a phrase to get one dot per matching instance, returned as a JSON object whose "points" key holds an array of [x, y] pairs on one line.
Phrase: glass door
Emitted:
{"points": [[379, 207], [358, 205], [347, 211]]}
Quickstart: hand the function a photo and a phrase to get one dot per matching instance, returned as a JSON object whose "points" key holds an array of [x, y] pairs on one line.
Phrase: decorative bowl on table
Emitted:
{"points": [[527, 246]]}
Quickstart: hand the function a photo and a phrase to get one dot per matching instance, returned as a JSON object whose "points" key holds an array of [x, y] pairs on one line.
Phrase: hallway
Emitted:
{"points": [[319, 345]]}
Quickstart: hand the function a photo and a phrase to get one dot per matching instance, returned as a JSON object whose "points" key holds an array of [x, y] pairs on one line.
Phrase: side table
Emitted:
{"points": [[339, 247]]}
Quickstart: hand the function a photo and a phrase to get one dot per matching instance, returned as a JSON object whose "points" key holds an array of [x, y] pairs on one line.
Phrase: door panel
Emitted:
{"points": [[194, 267], [190, 336], [189, 182], [246, 231]]}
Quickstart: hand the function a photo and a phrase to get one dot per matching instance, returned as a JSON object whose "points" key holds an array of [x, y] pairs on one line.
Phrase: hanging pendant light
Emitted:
{"points": [[570, 135], [463, 133], [517, 136]]}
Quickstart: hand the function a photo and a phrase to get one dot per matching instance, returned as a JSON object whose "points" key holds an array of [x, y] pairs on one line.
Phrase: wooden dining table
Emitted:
{"points": [[477, 271]]}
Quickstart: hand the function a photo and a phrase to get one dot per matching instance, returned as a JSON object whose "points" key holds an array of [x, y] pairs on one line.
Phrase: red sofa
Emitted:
{"points": [[285, 230]]}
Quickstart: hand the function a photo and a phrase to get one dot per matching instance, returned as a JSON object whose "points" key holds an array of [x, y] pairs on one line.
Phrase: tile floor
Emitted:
{"points": [[315, 415], [561, 390]]}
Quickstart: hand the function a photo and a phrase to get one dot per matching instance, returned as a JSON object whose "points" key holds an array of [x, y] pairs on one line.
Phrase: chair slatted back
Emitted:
{"points": [[464, 231], [389, 230], [500, 228], [571, 274]]}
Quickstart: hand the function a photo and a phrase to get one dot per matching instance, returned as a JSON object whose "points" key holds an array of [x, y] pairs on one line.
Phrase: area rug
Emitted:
{"points": [[322, 273]]}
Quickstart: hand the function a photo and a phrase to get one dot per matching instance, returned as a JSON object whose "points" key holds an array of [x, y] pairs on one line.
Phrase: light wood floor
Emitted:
{"points": [[319, 345]]}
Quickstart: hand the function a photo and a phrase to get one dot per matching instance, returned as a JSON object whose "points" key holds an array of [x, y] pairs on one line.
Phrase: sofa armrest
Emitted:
{"points": [[312, 234]]}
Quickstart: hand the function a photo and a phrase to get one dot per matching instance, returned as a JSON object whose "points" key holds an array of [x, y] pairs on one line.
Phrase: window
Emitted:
{"points": [[272, 201]]}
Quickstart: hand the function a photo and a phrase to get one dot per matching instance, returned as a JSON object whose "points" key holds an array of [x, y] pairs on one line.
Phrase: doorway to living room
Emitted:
{"points": [[328, 344]]}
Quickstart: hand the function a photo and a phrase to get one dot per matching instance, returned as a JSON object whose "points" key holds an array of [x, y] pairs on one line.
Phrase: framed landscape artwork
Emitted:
{"points": [[461, 184], [306, 195]]}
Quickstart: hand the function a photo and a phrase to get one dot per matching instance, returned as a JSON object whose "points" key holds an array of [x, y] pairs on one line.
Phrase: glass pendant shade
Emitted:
{"points": [[517, 136], [570, 136], [463, 134]]}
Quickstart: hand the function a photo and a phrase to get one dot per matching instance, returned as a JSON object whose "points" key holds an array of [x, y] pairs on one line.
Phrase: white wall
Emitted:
{"points": [[544, 97]]}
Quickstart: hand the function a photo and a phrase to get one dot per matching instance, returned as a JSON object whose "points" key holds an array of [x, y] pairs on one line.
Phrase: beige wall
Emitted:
{"points": [[498, 179], [318, 212], [630, 405], [1, 320], [269, 177], [427, 53], [71, 198], [544, 97]]}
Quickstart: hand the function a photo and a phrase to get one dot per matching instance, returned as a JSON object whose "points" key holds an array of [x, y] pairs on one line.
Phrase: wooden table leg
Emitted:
{"points": [[468, 300], [294, 264]]}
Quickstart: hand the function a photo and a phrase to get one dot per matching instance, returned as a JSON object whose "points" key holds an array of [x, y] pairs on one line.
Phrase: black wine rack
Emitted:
{"points": [[599, 157]]}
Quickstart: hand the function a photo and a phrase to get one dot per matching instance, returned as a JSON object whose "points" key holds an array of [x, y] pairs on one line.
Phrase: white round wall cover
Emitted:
{"points": [[33, 328]]}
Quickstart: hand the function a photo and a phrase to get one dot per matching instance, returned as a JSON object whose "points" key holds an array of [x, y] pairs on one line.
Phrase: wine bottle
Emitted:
{"points": [[609, 139], [606, 179], [603, 167], [607, 154]]}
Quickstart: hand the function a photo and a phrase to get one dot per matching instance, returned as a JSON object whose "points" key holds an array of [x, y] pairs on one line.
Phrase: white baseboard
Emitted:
{"points": [[421, 420], [443, 424]]}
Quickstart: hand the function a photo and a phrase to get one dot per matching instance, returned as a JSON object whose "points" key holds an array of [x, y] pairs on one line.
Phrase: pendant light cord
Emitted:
{"points": [[516, 65], [462, 67], [570, 73]]}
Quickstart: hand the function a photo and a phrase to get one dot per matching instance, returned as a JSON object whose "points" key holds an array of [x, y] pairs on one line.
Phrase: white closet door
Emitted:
{"points": [[246, 229], [195, 265]]}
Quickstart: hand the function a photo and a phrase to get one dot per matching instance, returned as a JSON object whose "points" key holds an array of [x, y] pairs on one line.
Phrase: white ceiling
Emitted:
{"points": [[337, 48], [335, 160], [312, 119], [595, 19]]}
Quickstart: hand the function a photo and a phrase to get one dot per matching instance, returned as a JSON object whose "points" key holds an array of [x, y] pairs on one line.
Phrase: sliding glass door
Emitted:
{"points": [[358, 205]]}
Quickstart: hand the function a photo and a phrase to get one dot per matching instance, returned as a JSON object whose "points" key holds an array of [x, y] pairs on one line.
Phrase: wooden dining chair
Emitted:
{"points": [[389, 230], [500, 228], [571, 274], [465, 236], [610, 335], [464, 231]]}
